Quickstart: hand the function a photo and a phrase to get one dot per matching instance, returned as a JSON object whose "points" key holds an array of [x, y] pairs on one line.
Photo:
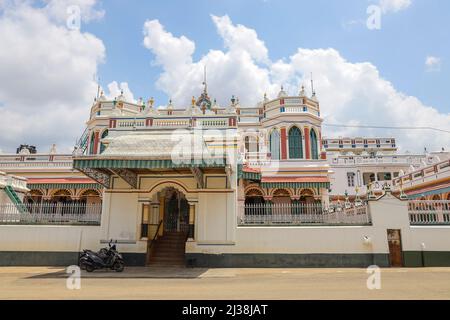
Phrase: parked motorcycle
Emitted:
{"points": [[106, 258]]}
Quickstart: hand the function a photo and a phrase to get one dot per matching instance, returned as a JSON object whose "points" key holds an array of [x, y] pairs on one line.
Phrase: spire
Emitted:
{"points": [[204, 102], [205, 86], [312, 88]]}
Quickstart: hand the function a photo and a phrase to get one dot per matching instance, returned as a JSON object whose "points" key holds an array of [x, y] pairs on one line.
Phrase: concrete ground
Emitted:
{"points": [[230, 284]]}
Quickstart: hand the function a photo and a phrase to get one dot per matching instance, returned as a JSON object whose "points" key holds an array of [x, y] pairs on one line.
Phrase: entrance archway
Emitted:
{"points": [[168, 245], [176, 211]]}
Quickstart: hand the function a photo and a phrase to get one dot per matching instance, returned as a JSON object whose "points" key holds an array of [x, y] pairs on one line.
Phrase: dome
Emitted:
{"points": [[282, 93]]}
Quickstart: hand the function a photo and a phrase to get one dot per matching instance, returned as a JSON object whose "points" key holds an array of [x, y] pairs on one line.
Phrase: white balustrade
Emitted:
{"points": [[429, 212], [302, 214], [51, 214]]}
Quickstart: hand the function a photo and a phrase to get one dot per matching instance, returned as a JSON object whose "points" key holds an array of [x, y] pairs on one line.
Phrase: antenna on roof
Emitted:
{"points": [[312, 85], [97, 80]]}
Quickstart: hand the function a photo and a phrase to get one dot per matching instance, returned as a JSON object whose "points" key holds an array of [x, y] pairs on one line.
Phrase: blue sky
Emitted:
{"points": [[398, 49], [362, 77]]}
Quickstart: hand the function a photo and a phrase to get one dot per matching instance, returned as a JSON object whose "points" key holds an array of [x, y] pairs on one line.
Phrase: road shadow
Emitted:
{"points": [[131, 273]]}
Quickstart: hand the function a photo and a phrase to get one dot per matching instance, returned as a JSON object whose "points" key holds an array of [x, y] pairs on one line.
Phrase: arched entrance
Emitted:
{"points": [[167, 245], [176, 211]]}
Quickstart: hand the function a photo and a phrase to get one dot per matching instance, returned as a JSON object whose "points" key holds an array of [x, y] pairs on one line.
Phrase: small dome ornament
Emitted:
{"points": [[215, 106], [150, 102], [102, 96], [302, 91], [193, 101], [232, 107], [121, 97], [53, 149], [170, 106], [282, 93], [233, 100]]}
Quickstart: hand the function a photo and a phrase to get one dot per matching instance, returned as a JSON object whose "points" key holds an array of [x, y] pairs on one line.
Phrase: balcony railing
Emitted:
{"points": [[427, 212], [303, 214], [51, 214]]}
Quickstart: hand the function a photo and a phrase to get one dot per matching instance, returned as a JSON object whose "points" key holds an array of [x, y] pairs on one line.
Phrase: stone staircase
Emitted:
{"points": [[168, 250]]}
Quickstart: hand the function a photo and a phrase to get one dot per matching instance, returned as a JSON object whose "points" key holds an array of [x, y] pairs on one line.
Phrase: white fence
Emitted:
{"points": [[303, 214], [427, 212], [51, 214]]}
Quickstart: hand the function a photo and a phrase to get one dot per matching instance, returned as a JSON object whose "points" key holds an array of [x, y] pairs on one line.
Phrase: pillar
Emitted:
{"points": [[307, 144], [96, 134], [283, 138], [191, 221], [325, 197]]}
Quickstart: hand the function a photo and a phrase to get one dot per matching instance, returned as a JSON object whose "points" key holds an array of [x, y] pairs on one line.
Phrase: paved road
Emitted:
{"points": [[233, 284]]}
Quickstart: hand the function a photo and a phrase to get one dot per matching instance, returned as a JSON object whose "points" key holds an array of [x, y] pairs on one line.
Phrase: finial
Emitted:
{"points": [[205, 89], [302, 91], [193, 101], [233, 99], [312, 86]]}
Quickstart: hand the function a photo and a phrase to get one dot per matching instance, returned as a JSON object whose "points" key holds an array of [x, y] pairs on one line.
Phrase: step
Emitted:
{"points": [[174, 238], [173, 251], [167, 246], [167, 261], [167, 254]]}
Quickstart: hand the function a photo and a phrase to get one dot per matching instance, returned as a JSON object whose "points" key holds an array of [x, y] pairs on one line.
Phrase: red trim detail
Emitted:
{"points": [[307, 144], [295, 179], [283, 144], [60, 180], [95, 142]]}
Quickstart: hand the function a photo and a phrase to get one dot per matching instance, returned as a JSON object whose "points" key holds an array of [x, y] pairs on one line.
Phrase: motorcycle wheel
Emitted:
{"points": [[118, 266], [89, 268]]}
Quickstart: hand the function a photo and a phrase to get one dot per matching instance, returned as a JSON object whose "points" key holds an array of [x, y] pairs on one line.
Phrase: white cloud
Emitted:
{"points": [[350, 93], [232, 72], [433, 63], [394, 5], [46, 72], [115, 90]]}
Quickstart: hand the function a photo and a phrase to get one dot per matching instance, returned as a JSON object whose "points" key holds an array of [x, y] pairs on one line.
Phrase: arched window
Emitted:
{"points": [[314, 149], [275, 145], [92, 144], [102, 146], [295, 143]]}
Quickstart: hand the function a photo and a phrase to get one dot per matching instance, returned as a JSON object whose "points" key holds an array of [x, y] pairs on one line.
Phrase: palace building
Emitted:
{"points": [[207, 185]]}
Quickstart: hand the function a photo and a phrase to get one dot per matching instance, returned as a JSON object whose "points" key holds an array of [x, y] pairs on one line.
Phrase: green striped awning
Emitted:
{"points": [[248, 175], [96, 186], [145, 164], [295, 185]]}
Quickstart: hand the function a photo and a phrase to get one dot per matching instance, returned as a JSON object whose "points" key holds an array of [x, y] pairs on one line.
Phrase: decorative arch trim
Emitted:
{"points": [[254, 187], [167, 184], [289, 191]]}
